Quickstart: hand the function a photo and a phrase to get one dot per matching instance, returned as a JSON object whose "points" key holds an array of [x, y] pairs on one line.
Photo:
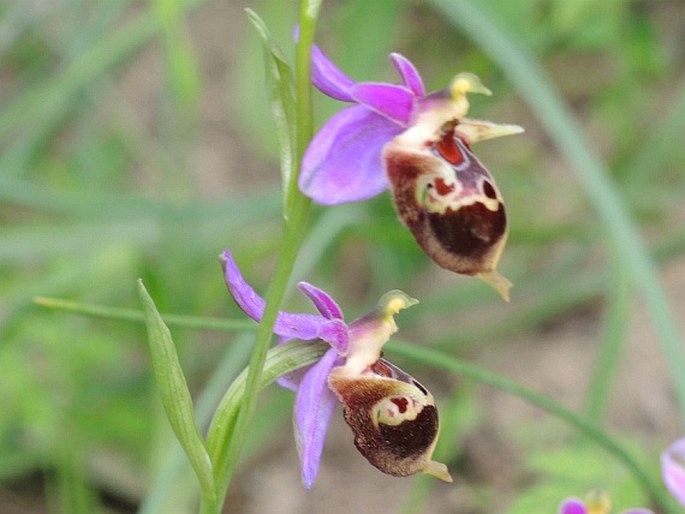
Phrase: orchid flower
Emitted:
{"points": [[392, 416], [419, 145], [673, 469], [596, 502]]}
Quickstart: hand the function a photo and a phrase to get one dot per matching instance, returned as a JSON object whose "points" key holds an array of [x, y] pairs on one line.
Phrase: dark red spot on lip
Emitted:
{"points": [[448, 149], [401, 404], [443, 188]]}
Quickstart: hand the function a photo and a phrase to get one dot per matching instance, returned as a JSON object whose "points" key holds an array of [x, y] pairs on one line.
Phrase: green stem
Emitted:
{"points": [[544, 100], [440, 360], [296, 212]]}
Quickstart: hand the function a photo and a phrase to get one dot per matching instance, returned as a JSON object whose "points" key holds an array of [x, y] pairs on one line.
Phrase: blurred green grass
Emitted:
{"points": [[108, 115]]}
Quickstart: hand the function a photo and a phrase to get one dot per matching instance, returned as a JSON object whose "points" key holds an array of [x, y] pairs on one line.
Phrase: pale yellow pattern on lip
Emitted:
{"points": [[454, 200]]}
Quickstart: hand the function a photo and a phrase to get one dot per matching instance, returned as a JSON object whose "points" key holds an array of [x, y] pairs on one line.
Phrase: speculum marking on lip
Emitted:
{"points": [[411, 438], [470, 231]]}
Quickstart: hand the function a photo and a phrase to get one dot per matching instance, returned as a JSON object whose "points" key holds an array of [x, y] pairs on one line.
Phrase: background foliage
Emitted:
{"points": [[136, 141]]}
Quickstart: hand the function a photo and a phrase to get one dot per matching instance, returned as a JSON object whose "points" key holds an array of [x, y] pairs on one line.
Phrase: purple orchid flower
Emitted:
{"points": [[419, 145], [355, 356], [343, 161], [596, 502], [673, 469]]}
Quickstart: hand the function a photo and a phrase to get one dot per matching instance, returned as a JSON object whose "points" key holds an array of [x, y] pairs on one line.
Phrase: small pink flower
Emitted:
{"points": [[595, 502], [673, 469]]}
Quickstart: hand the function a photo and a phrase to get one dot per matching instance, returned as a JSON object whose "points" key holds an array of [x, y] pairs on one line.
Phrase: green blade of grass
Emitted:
{"points": [[616, 322], [279, 78], [182, 68], [50, 98], [135, 315]]}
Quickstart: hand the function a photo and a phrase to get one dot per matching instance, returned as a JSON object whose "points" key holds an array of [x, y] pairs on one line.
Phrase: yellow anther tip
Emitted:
{"points": [[467, 83], [598, 502], [394, 301]]}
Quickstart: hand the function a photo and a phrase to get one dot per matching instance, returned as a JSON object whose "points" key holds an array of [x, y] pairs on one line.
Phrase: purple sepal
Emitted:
{"points": [[321, 300], [291, 326], [343, 161], [335, 332], [410, 75], [330, 79]]}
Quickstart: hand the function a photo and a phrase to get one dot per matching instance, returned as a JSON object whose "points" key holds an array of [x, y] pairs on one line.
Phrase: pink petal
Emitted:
{"points": [[321, 300], [673, 469], [572, 506], [410, 76], [314, 406], [343, 161], [397, 103]]}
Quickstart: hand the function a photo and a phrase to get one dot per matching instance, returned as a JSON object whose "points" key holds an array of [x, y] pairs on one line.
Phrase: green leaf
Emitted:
{"points": [[182, 67], [175, 395], [280, 84]]}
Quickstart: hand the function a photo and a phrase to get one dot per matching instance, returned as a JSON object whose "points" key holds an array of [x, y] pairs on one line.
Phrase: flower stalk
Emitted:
{"points": [[296, 212]]}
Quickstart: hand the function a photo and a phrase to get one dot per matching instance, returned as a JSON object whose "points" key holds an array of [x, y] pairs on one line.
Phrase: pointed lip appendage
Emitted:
{"points": [[438, 470]]}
